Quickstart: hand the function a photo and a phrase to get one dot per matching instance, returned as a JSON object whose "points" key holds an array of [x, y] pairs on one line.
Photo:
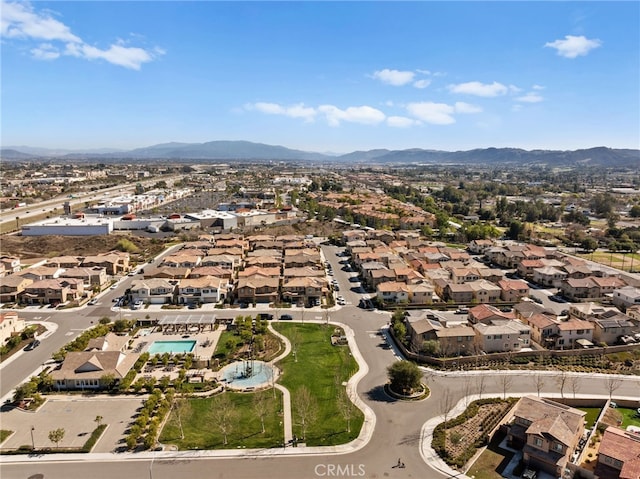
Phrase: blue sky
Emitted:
{"points": [[321, 76]]}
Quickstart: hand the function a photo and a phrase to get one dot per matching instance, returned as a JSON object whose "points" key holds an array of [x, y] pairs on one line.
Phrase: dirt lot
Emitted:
{"points": [[36, 247]]}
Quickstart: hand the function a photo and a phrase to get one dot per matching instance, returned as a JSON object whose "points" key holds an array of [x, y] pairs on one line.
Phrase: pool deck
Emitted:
{"points": [[204, 348]]}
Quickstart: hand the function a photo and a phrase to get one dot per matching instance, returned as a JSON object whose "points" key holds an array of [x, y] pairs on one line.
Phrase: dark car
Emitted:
{"points": [[32, 345], [286, 317], [266, 316], [557, 299]]}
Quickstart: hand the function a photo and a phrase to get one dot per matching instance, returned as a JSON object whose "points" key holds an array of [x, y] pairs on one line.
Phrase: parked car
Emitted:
{"points": [[286, 317], [93, 301], [137, 304], [32, 345], [266, 316]]}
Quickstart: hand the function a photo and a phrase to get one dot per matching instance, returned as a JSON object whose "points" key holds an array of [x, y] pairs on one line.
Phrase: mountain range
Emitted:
{"points": [[247, 151]]}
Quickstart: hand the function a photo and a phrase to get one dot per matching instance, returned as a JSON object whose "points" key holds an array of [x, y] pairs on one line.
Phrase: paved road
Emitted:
{"points": [[397, 428]]}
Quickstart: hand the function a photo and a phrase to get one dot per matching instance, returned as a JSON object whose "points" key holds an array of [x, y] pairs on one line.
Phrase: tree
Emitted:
{"points": [[98, 420], [404, 376], [223, 415], [399, 330], [56, 436], [261, 406], [480, 384], [346, 407], [574, 384], [295, 340], [431, 347], [561, 380], [121, 325], [538, 380], [107, 381], [24, 391], [613, 384], [589, 244], [305, 408], [182, 408], [505, 381]]}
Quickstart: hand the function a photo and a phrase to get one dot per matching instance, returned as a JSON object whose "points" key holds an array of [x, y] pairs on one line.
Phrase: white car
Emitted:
{"points": [[138, 304]]}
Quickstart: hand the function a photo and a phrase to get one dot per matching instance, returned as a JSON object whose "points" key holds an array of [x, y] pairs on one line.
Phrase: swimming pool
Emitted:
{"points": [[172, 347]]}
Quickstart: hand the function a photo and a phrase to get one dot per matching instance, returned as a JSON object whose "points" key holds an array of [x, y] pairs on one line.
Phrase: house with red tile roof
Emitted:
{"points": [[618, 455]]}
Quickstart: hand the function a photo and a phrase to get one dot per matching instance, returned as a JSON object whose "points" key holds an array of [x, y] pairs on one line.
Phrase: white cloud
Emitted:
{"points": [[462, 107], [45, 51], [434, 113], [18, 20], [21, 21], [402, 122], [479, 89], [573, 46], [294, 111], [128, 57], [537, 87], [394, 77], [422, 83], [355, 114], [531, 97]]}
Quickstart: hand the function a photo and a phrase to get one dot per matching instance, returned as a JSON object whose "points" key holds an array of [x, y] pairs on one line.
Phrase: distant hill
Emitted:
{"points": [[11, 154], [599, 156], [223, 150], [246, 150]]}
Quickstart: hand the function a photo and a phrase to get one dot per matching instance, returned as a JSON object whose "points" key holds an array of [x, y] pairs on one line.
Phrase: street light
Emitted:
{"points": [[33, 444]]}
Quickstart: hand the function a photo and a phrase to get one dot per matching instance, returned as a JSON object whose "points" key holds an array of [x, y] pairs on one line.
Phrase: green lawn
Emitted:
{"points": [[491, 462], [592, 415], [201, 432], [322, 368], [629, 417], [4, 434]]}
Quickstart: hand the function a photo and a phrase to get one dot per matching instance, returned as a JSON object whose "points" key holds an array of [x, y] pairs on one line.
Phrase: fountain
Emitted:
{"points": [[248, 374]]}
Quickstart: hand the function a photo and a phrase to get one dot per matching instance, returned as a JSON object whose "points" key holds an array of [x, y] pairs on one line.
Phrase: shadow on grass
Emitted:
{"points": [[379, 394]]}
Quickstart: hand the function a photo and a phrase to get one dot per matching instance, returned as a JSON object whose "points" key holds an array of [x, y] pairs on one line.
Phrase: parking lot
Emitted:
{"points": [[76, 415]]}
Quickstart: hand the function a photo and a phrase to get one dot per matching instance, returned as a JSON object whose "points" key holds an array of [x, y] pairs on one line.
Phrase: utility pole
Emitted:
{"points": [[33, 444]]}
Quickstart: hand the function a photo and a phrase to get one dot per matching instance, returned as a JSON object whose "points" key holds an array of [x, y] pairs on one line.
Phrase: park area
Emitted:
{"points": [[315, 373]]}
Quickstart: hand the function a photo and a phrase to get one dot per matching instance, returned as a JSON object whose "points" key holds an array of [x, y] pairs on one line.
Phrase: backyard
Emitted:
{"points": [[492, 461]]}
